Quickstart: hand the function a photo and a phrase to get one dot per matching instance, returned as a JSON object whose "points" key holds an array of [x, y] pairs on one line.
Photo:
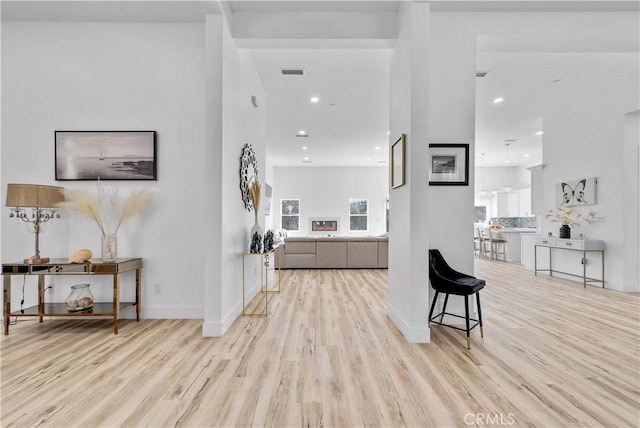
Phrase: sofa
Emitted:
{"points": [[334, 252]]}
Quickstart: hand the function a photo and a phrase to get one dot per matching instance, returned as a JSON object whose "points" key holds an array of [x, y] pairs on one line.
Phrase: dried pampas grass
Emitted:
{"points": [[254, 193], [105, 208]]}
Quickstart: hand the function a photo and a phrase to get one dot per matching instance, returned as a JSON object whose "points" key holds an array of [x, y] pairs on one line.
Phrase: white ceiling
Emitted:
{"points": [[355, 79], [348, 123]]}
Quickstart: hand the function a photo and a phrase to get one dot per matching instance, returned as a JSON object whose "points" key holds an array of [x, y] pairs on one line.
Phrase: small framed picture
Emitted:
{"points": [[448, 164], [397, 162]]}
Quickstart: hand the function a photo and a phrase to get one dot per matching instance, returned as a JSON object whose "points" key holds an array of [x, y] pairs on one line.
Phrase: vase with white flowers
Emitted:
{"points": [[107, 210], [569, 217]]}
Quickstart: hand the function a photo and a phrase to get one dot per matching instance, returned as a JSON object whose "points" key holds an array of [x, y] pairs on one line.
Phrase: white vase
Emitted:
{"points": [[256, 247], [109, 247]]}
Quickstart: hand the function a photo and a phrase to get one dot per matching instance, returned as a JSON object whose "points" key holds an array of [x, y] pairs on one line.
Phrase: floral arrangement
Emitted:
{"points": [[106, 208], [569, 216]]}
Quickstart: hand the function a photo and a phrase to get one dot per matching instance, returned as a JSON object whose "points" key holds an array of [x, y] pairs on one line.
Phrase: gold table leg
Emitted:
{"points": [[116, 302], [7, 301]]}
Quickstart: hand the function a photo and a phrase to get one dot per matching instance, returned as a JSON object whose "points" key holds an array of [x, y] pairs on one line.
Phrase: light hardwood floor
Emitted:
{"points": [[554, 354]]}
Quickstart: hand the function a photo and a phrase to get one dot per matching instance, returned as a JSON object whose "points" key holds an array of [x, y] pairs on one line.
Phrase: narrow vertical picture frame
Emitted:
{"points": [[397, 170]]}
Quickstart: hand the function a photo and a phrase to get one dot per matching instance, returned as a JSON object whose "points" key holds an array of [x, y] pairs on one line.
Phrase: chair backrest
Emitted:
{"points": [[480, 234], [438, 268]]}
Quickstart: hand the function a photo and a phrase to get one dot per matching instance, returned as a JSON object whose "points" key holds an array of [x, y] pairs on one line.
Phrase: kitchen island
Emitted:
{"points": [[513, 236]]}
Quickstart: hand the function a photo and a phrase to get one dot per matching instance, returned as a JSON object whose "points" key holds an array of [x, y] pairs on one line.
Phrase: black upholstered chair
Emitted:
{"points": [[448, 281]]}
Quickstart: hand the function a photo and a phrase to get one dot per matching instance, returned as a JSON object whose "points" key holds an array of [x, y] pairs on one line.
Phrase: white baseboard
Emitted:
{"points": [[218, 329], [166, 312], [413, 334]]}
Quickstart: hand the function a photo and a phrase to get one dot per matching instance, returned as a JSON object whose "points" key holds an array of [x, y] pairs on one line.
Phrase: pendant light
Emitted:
{"points": [[507, 188]]}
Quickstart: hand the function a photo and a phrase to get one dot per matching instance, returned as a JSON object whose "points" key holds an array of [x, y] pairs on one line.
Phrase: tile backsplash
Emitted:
{"points": [[515, 222]]}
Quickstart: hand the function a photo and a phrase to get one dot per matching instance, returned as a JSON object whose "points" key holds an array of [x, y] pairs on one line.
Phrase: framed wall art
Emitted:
{"points": [[578, 192], [397, 162], [448, 164], [105, 155]]}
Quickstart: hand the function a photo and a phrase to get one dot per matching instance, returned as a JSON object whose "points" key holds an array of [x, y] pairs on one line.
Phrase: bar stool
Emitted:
{"points": [[446, 280], [497, 244]]}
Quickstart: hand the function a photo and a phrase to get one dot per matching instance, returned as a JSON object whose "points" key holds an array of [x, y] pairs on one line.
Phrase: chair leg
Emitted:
{"points": [[479, 314], [444, 307], [433, 306], [466, 318]]}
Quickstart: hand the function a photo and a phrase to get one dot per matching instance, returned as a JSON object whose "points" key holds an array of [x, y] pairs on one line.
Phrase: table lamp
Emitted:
{"points": [[43, 201]]}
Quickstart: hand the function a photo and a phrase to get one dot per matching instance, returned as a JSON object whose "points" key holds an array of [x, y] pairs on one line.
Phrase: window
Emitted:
{"points": [[358, 214], [290, 214]]}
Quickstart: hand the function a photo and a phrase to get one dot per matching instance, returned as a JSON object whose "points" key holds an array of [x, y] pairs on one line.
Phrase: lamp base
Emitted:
{"points": [[34, 260]]}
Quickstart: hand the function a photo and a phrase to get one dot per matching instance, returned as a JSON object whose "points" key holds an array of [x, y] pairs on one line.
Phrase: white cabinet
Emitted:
{"points": [[514, 204], [524, 203]]}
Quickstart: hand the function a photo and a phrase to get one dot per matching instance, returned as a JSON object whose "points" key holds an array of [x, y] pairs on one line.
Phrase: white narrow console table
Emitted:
{"points": [[585, 246]]}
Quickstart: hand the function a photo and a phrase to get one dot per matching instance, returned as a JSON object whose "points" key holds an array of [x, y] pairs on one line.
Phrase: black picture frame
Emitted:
{"points": [[105, 155], [448, 164]]}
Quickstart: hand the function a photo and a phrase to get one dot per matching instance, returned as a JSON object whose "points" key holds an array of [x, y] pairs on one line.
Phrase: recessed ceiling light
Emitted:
{"points": [[368, 159], [314, 99], [304, 147], [506, 161], [305, 158], [526, 155], [388, 132], [302, 132], [498, 100], [539, 132], [377, 147]]}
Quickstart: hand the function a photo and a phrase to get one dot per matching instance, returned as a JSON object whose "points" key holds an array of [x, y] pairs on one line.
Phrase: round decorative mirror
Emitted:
{"points": [[248, 172]]}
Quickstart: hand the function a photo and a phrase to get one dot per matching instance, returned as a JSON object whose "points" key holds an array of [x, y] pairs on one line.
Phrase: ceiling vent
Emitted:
{"points": [[307, 161], [510, 141], [292, 72], [481, 73], [302, 135]]}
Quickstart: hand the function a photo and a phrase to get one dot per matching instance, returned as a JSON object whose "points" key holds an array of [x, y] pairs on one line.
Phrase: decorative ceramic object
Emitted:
{"points": [[109, 247], [268, 241], [256, 243], [80, 298], [80, 256], [565, 231]]}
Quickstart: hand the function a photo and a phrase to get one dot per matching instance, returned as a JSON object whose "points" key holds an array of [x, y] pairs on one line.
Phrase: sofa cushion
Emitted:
{"points": [[300, 246], [362, 254], [331, 254], [383, 253]]}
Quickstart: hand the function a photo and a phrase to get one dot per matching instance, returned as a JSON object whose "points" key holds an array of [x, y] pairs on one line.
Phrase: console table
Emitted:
{"points": [[585, 246], [264, 281], [63, 267]]}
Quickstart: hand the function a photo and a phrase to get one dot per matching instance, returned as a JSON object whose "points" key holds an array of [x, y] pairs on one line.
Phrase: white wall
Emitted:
{"points": [[242, 124], [112, 76], [631, 213], [410, 219], [584, 138], [325, 192], [493, 178]]}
